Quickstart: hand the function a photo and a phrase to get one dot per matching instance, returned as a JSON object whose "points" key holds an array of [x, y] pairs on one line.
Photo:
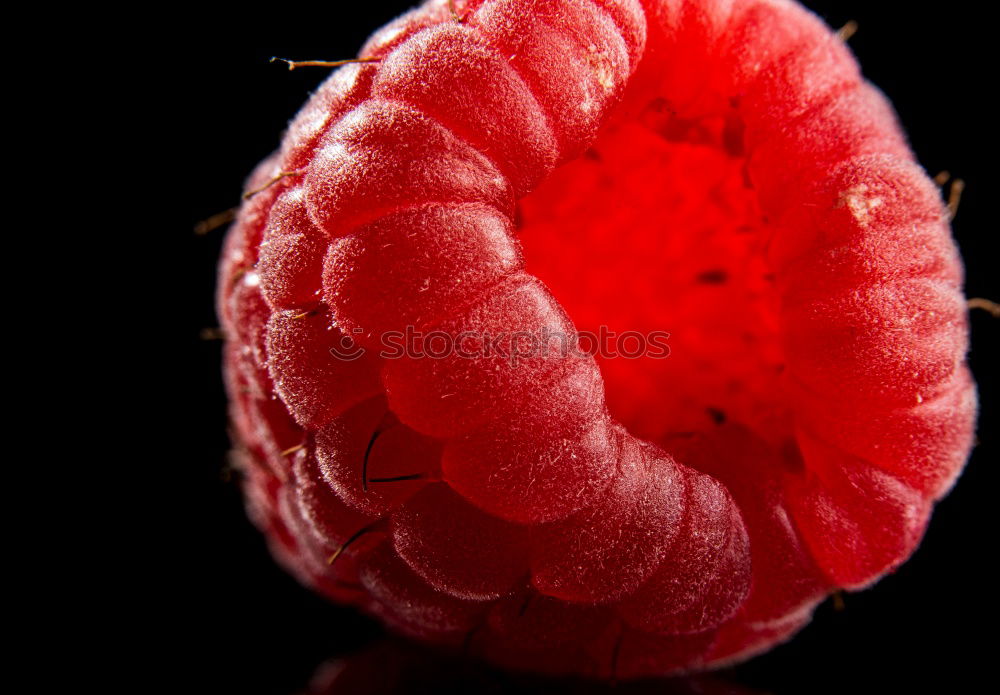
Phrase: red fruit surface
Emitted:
{"points": [[715, 169]]}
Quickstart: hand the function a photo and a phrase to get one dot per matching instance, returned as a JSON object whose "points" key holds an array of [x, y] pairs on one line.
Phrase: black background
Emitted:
{"points": [[249, 628]]}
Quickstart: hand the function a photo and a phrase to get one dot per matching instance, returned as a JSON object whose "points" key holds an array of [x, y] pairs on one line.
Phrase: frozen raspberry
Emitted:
{"points": [[499, 170]]}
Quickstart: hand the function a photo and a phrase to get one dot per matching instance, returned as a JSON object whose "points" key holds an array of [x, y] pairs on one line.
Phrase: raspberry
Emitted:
{"points": [[716, 169]]}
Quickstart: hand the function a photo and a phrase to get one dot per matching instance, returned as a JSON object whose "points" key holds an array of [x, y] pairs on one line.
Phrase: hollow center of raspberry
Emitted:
{"points": [[657, 230]]}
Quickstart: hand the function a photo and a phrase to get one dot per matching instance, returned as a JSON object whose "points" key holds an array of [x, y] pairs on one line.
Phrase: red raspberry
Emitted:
{"points": [[714, 168]]}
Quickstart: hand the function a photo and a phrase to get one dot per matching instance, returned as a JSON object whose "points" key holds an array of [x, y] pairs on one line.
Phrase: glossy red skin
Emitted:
{"points": [[714, 168]]}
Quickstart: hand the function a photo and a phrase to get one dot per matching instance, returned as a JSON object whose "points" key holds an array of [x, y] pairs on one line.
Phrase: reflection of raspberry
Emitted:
{"points": [[750, 195], [397, 666]]}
